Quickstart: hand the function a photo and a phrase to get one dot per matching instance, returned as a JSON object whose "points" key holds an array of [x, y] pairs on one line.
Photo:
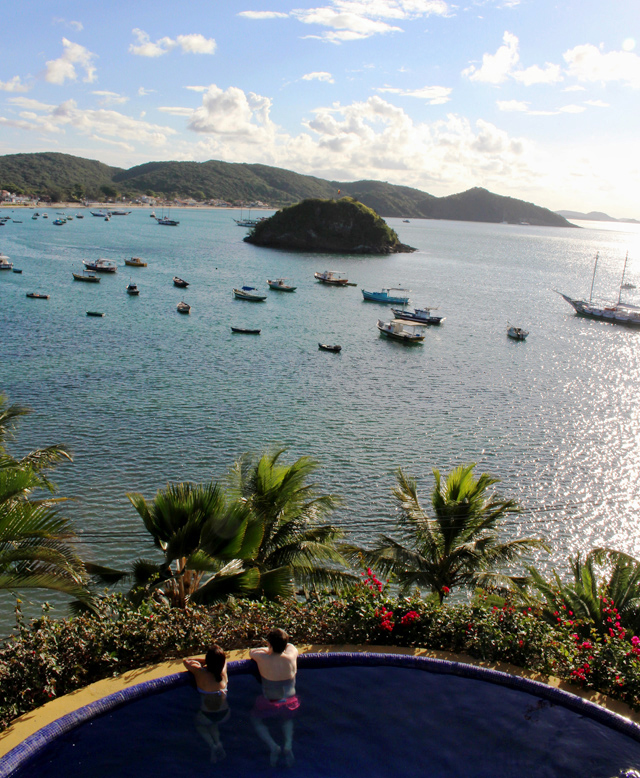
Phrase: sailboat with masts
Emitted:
{"points": [[615, 312]]}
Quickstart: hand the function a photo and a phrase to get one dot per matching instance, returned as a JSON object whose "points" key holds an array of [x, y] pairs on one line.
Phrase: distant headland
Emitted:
{"points": [[55, 177]]}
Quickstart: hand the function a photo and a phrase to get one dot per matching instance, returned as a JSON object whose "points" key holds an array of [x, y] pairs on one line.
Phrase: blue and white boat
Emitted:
{"points": [[387, 296]]}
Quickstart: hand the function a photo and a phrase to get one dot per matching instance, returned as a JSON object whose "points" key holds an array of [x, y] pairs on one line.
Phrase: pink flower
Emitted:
{"points": [[635, 641]]}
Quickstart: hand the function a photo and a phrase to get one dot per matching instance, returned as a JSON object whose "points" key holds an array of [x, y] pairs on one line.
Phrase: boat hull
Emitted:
{"points": [[401, 337], [417, 318], [86, 279], [383, 297], [250, 298], [326, 347], [244, 331], [614, 313]]}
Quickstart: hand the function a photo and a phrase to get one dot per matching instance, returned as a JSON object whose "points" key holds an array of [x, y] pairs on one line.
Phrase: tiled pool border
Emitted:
{"points": [[19, 756]]}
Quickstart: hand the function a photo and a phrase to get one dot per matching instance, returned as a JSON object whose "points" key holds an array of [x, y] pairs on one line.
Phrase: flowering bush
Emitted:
{"points": [[48, 657]]}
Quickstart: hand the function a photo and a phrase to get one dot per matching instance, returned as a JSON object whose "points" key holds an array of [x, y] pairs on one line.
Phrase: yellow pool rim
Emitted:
{"points": [[30, 723]]}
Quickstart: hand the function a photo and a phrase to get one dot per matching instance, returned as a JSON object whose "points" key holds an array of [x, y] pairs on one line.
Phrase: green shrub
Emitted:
{"points": [[49, 657]]}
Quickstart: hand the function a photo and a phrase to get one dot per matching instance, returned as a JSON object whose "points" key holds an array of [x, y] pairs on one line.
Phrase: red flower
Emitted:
{"points": [[445, 590]]}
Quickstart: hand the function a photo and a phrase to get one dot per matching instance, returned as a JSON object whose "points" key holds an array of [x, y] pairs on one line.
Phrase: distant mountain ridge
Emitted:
{"points": [[594, 216], [66, 177]]}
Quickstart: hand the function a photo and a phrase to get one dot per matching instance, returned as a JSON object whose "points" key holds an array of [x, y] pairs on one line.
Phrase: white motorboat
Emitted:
{"points": [[402, 331]]}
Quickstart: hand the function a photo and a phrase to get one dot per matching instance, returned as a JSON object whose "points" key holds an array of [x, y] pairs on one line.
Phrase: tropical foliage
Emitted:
{"points": [[458, 546], [259, 536], [295, 540], [35, 540], [603, 577]]}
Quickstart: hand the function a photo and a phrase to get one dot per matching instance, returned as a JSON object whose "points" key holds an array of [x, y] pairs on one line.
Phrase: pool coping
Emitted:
{"points": [[33, 731]]}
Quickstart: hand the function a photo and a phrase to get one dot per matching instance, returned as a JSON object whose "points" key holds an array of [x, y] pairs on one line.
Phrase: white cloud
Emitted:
{"points": [[575, 88], [142, 92], [496, 68], [628, 44], [59, 70], [110, 98], [102, 122], [434, 95], [550, 74], [597, 103], [263, 15], [30, 104], [14, 85], [197, 88], [196, 44], [190, 44], [234, 113], [176, 110], [118, 144], [572, 109], [77, 26], [319, 76], [513, 106], [358, 19], [589, 64]]}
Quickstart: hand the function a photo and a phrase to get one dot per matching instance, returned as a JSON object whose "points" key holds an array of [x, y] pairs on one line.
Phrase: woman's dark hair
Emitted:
{"points": [[215, 661], [278, 640]]}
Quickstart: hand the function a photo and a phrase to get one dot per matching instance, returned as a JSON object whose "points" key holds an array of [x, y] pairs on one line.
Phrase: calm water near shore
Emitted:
{"points": [[145, 396]]}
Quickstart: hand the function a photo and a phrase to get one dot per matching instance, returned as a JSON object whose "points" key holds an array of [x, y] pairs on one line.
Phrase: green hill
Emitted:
{"points": [[344, 225], [65, 177]]}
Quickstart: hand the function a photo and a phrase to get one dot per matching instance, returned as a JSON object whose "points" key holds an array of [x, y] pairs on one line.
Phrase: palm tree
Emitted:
{"points": [[604, 572], [458, 546], [296, 545], [199, 532], [34, 539]]}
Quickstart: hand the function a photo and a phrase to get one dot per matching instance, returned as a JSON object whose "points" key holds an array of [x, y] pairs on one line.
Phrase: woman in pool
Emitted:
{"points": [[278, 664], [210, 674]]}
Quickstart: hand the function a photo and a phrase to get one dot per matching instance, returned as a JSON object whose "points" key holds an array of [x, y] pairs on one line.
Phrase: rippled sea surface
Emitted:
{"points": [[145, 396]]}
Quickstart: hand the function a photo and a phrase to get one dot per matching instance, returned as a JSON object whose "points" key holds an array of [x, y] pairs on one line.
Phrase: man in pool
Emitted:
{"points": [[278, 665]]}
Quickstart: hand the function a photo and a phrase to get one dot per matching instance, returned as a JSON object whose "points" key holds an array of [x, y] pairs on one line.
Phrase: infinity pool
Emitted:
{"points": [[360, 716]]}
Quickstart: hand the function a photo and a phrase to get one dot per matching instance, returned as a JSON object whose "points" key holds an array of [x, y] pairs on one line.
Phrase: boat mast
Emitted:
{"points": [[622, 279], [594, 277]]}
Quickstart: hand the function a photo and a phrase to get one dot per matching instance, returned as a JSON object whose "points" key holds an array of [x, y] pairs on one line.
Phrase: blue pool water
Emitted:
{"points": [[356, 721]]}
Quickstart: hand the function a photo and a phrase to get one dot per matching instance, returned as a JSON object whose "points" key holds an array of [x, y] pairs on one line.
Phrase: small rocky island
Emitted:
{"points": [[343, 226]]}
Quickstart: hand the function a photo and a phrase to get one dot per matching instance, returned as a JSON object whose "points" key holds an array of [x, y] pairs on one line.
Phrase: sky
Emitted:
{"points": [[533, 99]]}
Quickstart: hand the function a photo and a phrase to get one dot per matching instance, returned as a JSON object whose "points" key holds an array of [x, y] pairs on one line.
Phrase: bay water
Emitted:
{"points": [[145, 396]]}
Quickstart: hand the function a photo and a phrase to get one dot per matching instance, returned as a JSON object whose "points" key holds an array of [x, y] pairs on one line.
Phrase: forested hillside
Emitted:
{"points": [[63, 177]]}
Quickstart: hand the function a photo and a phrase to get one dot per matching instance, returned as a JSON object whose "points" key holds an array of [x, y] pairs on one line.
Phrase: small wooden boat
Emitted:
{"points": [[37, 296], [245, 331], [250, 294], [95, 313], [402, 331], [332, 278], [87, 276], [327, 347], [17, 270], [517, 333], [184, 308], [280, 285], [135, 262], [59, 222], [133, 290], [179, 282]]}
